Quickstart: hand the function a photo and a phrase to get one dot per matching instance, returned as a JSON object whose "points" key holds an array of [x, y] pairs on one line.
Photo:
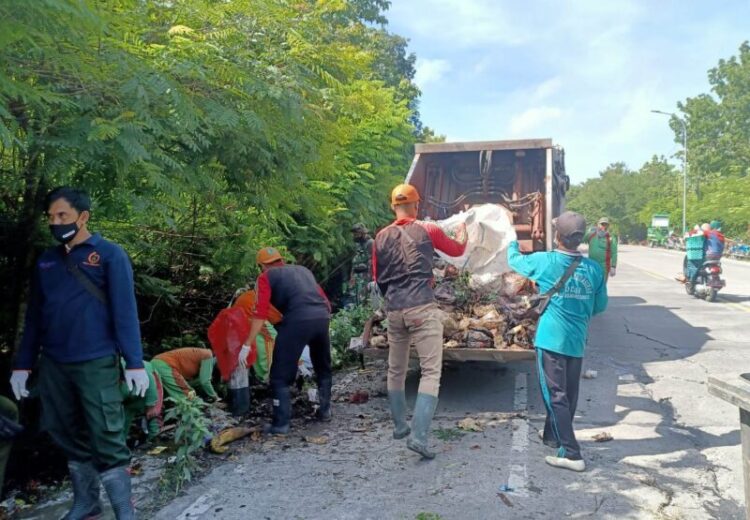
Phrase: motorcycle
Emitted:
{"points": [[708, 281]]}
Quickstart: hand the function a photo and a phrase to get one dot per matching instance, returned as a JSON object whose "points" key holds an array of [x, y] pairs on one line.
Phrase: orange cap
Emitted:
{"points": [[404, 194], [268, 255]]}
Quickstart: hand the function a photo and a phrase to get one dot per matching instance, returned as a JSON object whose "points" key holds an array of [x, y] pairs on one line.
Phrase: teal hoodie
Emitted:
{"points": [[563, 328]]}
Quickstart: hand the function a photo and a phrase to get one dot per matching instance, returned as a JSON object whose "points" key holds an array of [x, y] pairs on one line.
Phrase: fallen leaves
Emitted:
{"points": [[219, 441], [470, 425], [603, 437]]}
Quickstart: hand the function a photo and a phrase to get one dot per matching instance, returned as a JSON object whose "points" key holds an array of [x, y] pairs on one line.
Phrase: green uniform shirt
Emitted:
{"points": [[598, 248]]}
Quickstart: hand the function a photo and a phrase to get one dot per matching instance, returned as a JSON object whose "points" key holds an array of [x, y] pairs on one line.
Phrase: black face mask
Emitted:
{"points": [[64, 233]]}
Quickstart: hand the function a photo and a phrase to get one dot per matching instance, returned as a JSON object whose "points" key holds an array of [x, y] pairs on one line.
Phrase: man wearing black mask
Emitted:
{"points": [[82, 316]]}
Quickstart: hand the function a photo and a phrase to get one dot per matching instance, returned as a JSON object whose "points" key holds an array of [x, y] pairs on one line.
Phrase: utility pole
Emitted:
{"points": [[684, 165]]}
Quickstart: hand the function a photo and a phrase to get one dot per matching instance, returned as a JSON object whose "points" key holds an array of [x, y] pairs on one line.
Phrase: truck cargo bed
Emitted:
{"points": [[463, 354]]}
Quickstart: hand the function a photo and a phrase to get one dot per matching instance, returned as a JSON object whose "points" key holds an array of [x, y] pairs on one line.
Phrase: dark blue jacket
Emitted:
{"points": [[71, 325]]}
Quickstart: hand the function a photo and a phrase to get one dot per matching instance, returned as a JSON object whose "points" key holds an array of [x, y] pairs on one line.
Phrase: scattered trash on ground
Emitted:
{"points": [[590, 374], [627, 378], [219, 441], [359, 397], [158, 450], [505, 499], [505, 489], [318, 440], [602, 437], [470, 425]]}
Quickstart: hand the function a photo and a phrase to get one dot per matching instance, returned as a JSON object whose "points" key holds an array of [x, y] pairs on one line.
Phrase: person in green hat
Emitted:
{"points": [[603, 247]]}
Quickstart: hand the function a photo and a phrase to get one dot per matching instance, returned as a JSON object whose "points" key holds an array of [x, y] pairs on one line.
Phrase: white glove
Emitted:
{"points": [[612, 271], [244, 352], [137, 380], [18, 383]]}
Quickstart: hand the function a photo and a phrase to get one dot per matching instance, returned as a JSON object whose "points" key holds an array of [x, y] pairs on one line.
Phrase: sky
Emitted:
{"points": [[586, 73]]}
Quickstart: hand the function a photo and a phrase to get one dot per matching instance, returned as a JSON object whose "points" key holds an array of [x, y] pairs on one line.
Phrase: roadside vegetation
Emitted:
{"points": [[203, 131], [718, 165]]}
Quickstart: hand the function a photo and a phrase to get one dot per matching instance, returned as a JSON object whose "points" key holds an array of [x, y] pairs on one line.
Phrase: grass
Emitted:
{"points": [[428, 516], [448, 434]]}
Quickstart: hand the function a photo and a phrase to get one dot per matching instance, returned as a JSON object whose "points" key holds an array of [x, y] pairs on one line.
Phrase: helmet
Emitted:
{"points": [[268, 255], [404, 194], [603, 220], [716, 224]]}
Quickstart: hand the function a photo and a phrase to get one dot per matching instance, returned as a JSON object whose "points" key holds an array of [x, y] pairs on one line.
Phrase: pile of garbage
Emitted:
{"points": [[478, 311]]}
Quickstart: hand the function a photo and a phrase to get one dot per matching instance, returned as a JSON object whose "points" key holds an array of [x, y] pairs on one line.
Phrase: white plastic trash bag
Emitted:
{"points": [[305, 363], [490, 230]]}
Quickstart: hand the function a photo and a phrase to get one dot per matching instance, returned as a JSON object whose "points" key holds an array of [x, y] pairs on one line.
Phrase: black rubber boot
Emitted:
{"points": [[282, 412], [323, 413], [240, 401], [86, 486], [117, 483]]}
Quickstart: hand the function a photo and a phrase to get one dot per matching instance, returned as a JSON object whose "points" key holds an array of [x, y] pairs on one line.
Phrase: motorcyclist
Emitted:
{"points": [[715, 242], [694, 254]]}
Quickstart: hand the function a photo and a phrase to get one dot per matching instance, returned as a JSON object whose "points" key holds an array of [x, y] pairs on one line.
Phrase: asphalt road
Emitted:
{"points": [[675, 450]]}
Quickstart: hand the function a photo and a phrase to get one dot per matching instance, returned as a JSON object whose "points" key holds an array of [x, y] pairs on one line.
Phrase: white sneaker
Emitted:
{"points": [[541, 435], [562, 462]]}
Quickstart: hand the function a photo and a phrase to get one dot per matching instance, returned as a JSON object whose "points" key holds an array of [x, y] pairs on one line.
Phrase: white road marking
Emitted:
{"points": [[202, 504], [517, 480]]}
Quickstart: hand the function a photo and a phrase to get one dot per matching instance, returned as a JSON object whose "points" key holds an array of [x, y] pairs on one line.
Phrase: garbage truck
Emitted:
{"points": [[527, 177]]}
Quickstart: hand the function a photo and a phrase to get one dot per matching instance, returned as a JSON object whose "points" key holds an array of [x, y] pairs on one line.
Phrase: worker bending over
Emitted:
{"points": [[306, 312], [183, 369]]}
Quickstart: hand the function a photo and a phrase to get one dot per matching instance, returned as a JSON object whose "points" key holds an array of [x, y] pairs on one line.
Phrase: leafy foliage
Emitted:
{"points": [[190, 434], [203, 130], [346, 324]]}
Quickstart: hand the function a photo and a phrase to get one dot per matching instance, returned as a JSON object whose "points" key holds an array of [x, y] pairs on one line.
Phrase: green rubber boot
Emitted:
{"points": [[397, 402], [424, 409], [86, 486]]}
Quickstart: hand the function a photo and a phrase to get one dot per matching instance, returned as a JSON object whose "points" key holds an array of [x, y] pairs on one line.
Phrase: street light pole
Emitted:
{"points": [[684, 165]]}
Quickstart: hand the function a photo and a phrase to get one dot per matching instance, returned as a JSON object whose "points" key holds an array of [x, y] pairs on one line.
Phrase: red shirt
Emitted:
{"points": [[440, 241]]}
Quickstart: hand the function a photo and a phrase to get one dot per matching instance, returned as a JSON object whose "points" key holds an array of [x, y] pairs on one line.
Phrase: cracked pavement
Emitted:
{"points": [[675, 451]]}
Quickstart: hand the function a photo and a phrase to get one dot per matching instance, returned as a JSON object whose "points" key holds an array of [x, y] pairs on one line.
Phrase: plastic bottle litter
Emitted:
{"points": [[590, 374]]}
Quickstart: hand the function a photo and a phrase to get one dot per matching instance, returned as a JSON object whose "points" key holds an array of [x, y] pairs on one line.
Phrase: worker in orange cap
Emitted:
{"points": [[306, 312], [402, 267]]}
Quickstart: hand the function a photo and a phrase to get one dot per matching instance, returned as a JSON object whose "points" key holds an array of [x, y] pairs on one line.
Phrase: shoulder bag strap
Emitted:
{"points": [[84, 280], [561, 282]]}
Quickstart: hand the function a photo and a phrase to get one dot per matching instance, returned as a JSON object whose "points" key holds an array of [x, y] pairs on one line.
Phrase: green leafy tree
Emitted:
{"points": [[203, 131]]}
